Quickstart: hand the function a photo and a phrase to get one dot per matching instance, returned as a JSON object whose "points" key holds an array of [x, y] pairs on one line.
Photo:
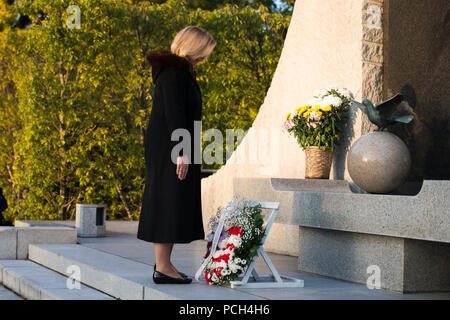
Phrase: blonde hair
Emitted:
{"points": [[193, 43]]}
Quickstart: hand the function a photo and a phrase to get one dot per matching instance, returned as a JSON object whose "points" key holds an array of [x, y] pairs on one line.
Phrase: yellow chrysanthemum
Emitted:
{"points": [[317, 107], [306, 113], [288, 115], [327, 108], [301, 109]]}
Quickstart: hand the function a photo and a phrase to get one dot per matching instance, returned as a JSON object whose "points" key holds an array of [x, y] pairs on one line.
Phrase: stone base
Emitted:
{"points": [[282, 239], [8, 243], [406, 265], [35, 282], [121, 226], [14, 241], [44, 223], [90, 220]]}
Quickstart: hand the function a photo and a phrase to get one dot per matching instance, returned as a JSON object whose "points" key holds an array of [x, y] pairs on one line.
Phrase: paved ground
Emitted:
{"points": [[186, 257], [6, 294]]}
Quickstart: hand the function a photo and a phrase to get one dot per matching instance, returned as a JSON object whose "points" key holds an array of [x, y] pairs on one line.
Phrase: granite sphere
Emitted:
{"points": [[379, 162]]}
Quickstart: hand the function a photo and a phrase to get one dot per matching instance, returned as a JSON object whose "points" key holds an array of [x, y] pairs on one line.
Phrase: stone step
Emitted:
{"points": [[14, 241], [35, 282], [6, 294], [124, 278]]}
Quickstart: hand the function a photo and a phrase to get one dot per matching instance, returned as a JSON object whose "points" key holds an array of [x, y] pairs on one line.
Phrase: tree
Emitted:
{"points": [[272, 5], [76, 101]]}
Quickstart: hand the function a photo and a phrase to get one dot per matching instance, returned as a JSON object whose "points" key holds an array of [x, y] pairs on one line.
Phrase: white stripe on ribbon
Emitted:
{"points": [[217, 234]]}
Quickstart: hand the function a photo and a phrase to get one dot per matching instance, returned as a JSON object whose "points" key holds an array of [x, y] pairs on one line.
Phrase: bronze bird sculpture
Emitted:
{"points": [[384, 113]]}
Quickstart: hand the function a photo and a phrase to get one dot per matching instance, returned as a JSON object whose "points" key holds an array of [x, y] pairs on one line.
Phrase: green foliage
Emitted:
{"points": [[6, 14], [249, 250], [272, 5], [75, 102]]}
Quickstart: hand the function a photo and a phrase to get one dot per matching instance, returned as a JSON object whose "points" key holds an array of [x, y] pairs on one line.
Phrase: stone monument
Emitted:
{"points": [[375, 49]]}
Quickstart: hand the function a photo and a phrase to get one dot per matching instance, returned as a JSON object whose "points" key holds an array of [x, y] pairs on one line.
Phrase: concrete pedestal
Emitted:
{"points": [[405, 265], [90, 220], [14, 241], [340, 231], [8, 243]]}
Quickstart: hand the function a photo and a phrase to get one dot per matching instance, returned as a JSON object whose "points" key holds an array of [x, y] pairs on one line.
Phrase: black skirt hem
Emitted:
{"points": [[172, 241]]}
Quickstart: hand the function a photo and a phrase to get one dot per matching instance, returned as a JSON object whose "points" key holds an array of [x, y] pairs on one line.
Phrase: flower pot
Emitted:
{"points": [[318, 163]]}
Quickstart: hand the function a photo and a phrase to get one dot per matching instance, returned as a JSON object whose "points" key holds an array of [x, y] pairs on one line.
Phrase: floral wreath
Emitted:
{"points": [[237, 230]]}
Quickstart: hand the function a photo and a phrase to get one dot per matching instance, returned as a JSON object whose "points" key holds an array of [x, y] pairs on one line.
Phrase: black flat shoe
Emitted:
{"points": [[181, 273], [161, 278]]}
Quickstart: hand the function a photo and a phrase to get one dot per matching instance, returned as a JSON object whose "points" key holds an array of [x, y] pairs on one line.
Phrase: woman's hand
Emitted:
{"points": [[182, 167]]}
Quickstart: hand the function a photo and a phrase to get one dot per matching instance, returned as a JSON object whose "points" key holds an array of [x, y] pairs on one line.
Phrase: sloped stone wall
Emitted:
{"points": [[322, 48]]}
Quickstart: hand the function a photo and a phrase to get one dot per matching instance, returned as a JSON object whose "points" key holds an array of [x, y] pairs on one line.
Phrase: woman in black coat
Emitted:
{"points": [[171, 206]]}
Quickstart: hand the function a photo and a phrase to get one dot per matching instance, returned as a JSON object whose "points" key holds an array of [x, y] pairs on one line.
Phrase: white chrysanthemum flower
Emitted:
{"points": [[235, 240], [322, 93], [332, 101], [218, 253], [244, 261], [342, 91], [234, 267], [222, 244], [315, 101]]}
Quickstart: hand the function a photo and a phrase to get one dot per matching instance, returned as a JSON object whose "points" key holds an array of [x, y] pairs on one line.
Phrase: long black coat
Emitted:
{"points": [[171, 208]]}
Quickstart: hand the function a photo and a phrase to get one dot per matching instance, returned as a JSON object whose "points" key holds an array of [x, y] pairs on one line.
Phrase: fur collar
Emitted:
{"points": [[165, 58]]}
